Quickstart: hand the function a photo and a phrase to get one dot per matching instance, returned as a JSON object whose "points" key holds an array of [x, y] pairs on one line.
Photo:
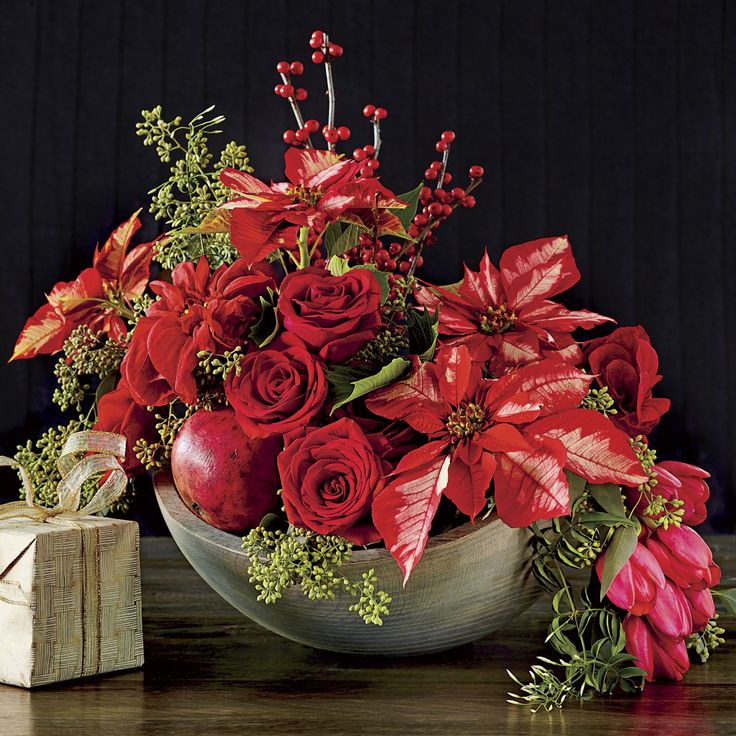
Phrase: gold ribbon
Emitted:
{"points": [[84, 455]]}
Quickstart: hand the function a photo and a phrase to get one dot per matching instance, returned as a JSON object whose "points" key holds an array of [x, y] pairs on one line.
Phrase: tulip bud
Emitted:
{"points": [[684, 557], [635, 587], [658, 656], [671, 613], [691, 488], [702, 607]]}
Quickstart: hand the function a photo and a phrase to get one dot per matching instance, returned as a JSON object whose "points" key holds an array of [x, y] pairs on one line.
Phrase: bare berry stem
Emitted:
{"points": [[330, 89], [297, 112]]}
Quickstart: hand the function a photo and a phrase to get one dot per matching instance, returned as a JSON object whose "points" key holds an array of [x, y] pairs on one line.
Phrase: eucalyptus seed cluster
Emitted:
{"points": [[599, 400], [139, 306], [156, 454], [213, 364], [282, 559], [86, 355], [702, 643], [390, 342], [193, 188]]}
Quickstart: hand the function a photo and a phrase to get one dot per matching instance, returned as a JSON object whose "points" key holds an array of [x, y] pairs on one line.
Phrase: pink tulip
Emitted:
{"points": [[671, 615], [702, 607], [684, 557], [690, 488], [656, 655], [635, 587]]}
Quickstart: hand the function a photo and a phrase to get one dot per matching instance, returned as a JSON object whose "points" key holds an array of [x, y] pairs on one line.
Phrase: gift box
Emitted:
{"points": [[70, 600], [70, 585]]}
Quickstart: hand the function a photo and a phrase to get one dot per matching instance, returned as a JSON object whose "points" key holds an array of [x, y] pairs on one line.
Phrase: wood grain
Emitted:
{"points": [[470, 581], [209, 670]]}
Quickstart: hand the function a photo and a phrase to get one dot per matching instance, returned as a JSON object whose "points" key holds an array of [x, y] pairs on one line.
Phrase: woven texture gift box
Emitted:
{"points": [[70, 586], [70, 600]]}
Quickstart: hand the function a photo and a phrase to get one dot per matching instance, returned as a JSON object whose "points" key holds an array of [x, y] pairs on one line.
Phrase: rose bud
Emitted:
{"points": [[684, 557], [671, 613], [691, 489], [635, 587], [657, 656], [702, 607]]}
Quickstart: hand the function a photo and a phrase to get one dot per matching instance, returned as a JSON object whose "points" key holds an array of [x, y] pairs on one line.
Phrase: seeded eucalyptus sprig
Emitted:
{"points": [[193, 188], [280, 559]]}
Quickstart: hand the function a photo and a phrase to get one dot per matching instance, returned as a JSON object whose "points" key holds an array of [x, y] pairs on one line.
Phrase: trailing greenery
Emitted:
{"points": [[586, 630], [280, 559], [193, 188]]}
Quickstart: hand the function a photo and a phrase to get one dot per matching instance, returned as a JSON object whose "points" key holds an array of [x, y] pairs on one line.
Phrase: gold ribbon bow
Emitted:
{"points": [[85, 454]]}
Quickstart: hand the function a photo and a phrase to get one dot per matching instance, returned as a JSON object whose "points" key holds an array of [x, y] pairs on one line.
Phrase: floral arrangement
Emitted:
{"points": [[370, 407]]}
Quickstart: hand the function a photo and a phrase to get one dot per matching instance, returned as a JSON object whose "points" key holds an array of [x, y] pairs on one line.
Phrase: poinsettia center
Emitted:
{"points": [[466, 420], [304, 195], [495, 320]]}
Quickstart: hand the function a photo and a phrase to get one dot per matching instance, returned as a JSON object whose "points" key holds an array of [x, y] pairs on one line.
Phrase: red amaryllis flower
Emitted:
{"points": [[321, 188], [636, 585], [657, 655], [522, 431], [277, 389], [684, 557], [99, 297], [506, 316], [334, 315], [329, 477], [117, 412], [196, 312], [627, 364]]}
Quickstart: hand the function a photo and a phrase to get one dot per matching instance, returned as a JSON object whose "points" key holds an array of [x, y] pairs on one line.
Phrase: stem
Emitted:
{"points": [[445, 158], [330, 89], [304, 258], [376, 137], [297, 112]]}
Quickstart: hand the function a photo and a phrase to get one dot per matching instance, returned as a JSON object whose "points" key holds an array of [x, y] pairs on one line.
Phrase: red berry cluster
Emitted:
{"points": [[395, 259], [325, 49], [287, 89]]}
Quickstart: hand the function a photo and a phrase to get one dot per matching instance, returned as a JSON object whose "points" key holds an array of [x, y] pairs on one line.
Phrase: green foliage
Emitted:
{"points": [[589, 637], [282, 559], [267, 327], [193, 188], [406, 214], [86, 357], [340, 238], [349, 383], [702, 643], [39, 459], [727, 598], [423, 331]]}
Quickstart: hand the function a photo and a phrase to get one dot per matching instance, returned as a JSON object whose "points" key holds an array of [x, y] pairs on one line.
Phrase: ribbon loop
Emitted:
{"points": [[84, 455]]}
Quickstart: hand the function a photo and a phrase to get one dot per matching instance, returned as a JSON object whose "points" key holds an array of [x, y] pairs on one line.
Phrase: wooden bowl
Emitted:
{"points": [[470, 581]]}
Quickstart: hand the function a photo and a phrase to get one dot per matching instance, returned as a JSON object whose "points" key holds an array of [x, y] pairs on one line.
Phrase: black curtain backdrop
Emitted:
{"points": [[612, 121]]}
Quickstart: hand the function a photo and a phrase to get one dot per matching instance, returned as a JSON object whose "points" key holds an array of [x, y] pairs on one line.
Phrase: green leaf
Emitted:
{"points": [[423, 328], [598, 518], [576, 484], [267, 327], [348, 384], [106, 385], [340, 238], [406, 214], [608, 497], [727, 597], [338, 266], [381, 277], [622, 546]]}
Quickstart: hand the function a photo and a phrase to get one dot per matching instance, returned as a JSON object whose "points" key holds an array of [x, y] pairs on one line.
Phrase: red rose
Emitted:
{"points": [[196, 312], [278, 390], [329, 476], [626, 362], [334, 315], [117, 412]]}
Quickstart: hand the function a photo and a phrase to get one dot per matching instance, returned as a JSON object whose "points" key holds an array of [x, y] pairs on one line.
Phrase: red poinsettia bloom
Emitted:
{"points": [[521, 431], [321, 187], [98, 297], [506, 316], [196, 312]]}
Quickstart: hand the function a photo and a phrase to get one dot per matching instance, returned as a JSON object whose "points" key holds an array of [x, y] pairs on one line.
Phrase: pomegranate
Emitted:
{"points": [[226, 478]]}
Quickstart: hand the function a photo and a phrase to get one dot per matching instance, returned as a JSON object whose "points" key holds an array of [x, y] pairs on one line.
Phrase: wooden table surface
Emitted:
{"points": [[210, 671]]}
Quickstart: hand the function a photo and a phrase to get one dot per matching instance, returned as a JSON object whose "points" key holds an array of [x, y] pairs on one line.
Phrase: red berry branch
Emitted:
{"points": [[325, 52], [294, 95]]}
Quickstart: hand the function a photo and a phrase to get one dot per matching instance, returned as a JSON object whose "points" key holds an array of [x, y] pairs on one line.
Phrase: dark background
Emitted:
{"points": [[612, 121]]}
